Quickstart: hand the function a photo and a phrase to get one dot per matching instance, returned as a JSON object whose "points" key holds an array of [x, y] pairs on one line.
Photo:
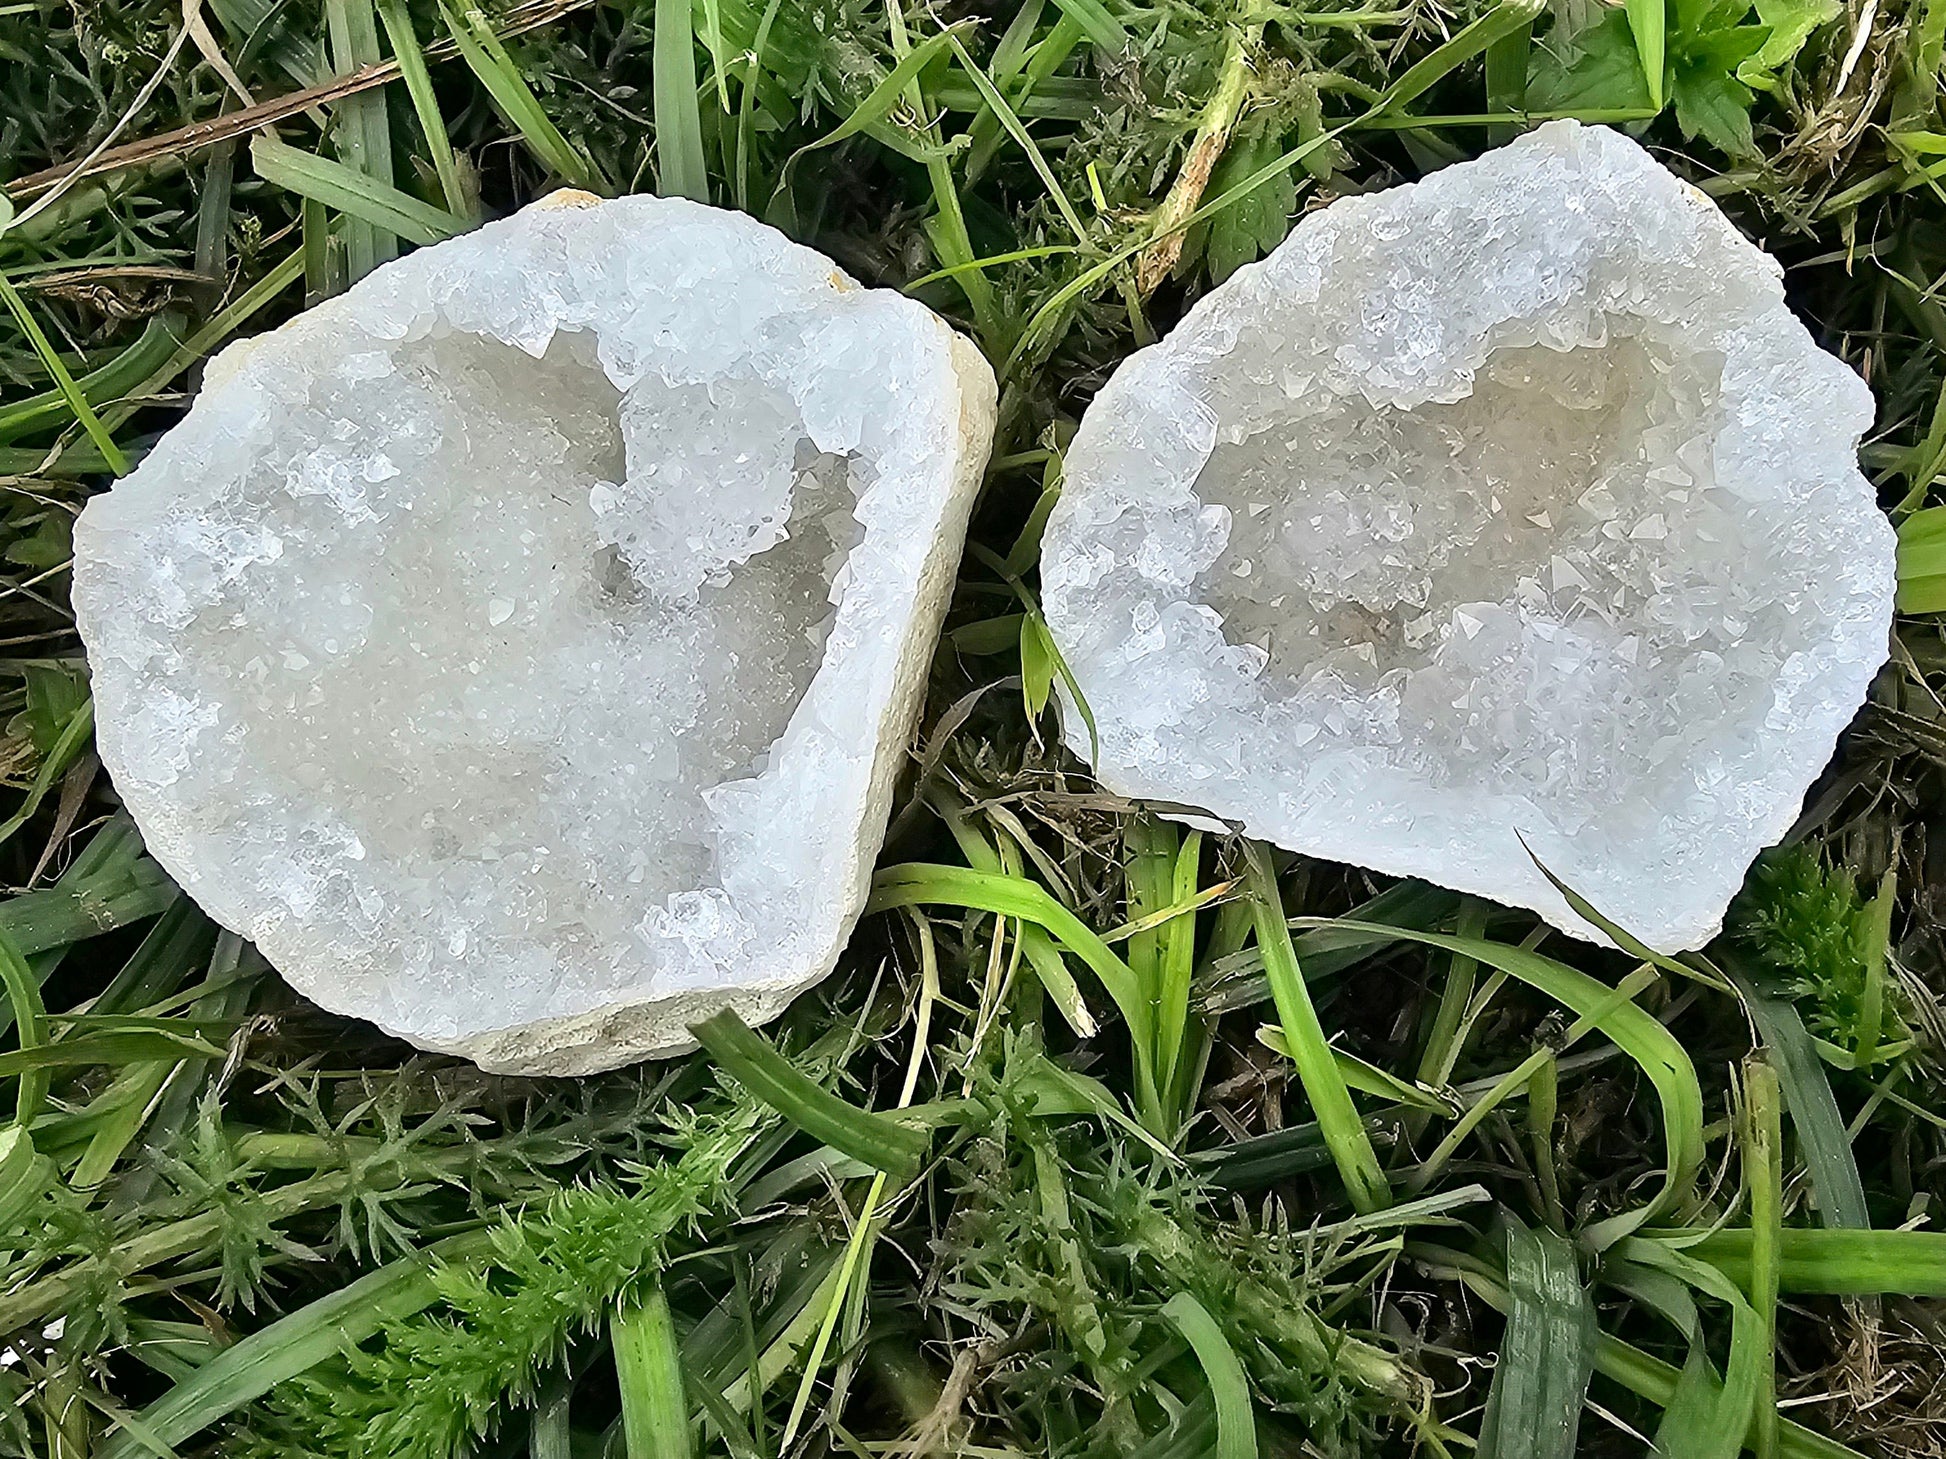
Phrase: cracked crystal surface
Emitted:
{"points": [[1510, 505], [519, 647]]}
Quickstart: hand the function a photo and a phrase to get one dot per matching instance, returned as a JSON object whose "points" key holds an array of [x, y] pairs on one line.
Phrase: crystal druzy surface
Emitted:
{"points": [[519, 647], [1511, 504]]}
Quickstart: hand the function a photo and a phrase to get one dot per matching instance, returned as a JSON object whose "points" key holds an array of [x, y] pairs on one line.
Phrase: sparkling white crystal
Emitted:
{"points": [[520, 647], [1510, 504]]}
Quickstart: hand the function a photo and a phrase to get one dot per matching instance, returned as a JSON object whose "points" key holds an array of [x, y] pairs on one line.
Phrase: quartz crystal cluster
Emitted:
{"points": [[1510, 506], [520, 647]]}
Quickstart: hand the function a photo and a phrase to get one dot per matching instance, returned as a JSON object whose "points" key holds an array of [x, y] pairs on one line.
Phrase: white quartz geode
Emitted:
{"points": [[1514, 503], [520, 648]]}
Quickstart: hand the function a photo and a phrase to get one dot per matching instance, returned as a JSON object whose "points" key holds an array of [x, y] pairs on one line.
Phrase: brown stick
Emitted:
{"points": [[198, 135]]}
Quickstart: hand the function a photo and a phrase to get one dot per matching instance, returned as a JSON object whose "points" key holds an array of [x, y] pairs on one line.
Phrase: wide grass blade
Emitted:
{"points": [[1643, 1375], [363, 132], [882, 1143], [1714, 1421], [1822, 1137], [1763, 1178], [1540, 1382], [678, 115], [1324, 1085], [352, 193], [30, 1023], [291, 1345], [1097, 24], [24, 1174], [1832, 1263], [1236, 1425], [648, 1369], [1648, 23]]}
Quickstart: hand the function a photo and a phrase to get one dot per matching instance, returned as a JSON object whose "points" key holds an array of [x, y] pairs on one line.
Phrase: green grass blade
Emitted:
{"points": [[998, 103], [1176, 969], [352, 193], [1763, 1175], [1646, 1376], [1922, 562], [1822, 1137], [1701, 1430], [1317, 1069], [1097, 24], [883, 98], [1878, 939], [363, 134], [489, 62], [1540, 1383], [460, 199], [1812, 1261], [30, 1023], [24, 1174], [678, 116], [57, 370], [648, 1368], [89, 1049], [1647, 22], [917, 884], [1236, 1425], [1651, 1378], [882, 1143], [292, 1345], [1637, 1033], [1508, 18], [123, 375]]}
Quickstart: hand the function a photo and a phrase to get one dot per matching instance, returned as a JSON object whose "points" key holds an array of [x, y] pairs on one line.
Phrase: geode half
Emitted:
{"points": [[1510, 504], [520, 647]]}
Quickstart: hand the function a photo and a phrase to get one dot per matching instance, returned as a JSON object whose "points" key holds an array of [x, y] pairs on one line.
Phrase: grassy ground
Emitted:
{"points": [[1135, 1207]]}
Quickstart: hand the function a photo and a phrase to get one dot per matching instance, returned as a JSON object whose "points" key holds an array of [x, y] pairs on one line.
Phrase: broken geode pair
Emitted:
{"points": [[521, 647]]}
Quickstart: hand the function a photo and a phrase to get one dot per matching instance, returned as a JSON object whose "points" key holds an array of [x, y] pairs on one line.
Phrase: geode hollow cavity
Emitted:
{"points": [[520, 647], [1510, 504]]}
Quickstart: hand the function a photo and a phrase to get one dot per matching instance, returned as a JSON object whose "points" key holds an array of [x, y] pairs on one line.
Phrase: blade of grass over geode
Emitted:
{"points": [[1547, 1355], [882, 1143], [1323, 1082]]}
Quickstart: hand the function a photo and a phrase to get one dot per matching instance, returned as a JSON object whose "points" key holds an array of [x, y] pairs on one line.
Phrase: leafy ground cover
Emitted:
{"points": [[1108, 1138]]}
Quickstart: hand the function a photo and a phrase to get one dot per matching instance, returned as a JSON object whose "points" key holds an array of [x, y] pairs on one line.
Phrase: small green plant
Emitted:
{"points": [[1808, 925]]}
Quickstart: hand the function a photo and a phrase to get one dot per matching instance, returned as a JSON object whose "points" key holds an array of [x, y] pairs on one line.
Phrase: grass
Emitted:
{"points": [[1107, 1138]]}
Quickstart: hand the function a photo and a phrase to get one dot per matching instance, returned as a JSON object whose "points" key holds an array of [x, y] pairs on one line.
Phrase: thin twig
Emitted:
{"points": [[198, 135]]}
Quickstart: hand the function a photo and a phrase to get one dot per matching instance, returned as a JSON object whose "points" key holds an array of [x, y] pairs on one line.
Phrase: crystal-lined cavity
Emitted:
{"points": [[517, 647], [1510, 505]]}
